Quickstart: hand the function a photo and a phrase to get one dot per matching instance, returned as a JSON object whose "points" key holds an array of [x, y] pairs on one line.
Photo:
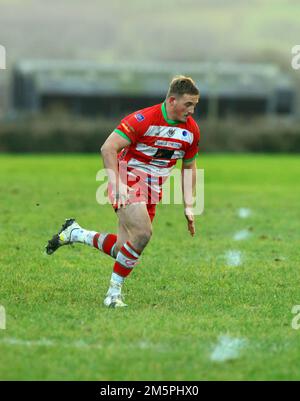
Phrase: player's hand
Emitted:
{"points": [[121, 196], [190, 220]]}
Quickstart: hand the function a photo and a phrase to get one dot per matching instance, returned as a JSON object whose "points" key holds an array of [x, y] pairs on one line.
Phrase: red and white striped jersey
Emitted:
{"points": [[156, 142]]}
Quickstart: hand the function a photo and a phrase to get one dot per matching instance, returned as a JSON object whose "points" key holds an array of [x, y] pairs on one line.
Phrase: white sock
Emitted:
{"points": [[117, 279], [83, 236], [115, 284]]}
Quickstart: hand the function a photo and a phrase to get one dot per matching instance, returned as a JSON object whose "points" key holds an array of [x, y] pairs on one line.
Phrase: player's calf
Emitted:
{"points": [[140, 239]]}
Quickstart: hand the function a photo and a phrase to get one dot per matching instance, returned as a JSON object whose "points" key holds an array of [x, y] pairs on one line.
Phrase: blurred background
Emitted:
{"points": [[74, 68]]}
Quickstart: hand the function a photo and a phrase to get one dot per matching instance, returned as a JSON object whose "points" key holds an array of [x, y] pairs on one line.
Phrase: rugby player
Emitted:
{"points": [[138, 156]]}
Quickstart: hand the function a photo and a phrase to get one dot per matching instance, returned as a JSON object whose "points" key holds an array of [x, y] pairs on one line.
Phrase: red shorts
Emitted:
{"points": [[151, 207]]}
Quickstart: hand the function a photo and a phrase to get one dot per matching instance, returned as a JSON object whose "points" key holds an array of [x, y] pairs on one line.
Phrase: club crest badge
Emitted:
{"points": [[171, 132]]}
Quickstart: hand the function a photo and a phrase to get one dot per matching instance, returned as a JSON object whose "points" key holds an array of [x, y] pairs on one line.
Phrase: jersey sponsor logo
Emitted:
{"points": [[184, 133], [158, 153], [175, 145], [164, 154], [151, 168], [171, 132], [139, 117]]}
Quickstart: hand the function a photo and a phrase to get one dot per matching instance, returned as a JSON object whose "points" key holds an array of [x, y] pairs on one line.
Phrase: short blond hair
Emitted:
{"points": [[181, 85]]}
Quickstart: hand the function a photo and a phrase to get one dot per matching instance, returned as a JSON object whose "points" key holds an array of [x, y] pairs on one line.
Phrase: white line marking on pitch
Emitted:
{"points": [[244, 212], [80, 344], [233, 258], [241, 235], [227, 348], [47, 343]]}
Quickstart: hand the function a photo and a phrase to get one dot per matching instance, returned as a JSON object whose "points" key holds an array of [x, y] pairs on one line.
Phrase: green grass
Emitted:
{"points": [[181, 297]]}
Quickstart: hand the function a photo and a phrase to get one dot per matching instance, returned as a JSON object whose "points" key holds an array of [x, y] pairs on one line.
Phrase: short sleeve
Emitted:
{"points": [[193, 150], [131, 127]]}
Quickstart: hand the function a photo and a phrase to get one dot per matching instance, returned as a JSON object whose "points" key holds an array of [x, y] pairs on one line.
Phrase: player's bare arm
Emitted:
{"points": [[109, 150], [188, 190]]}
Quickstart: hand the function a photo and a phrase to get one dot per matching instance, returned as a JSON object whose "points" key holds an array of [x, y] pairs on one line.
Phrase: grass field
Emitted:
{"points": [[182, 297]]}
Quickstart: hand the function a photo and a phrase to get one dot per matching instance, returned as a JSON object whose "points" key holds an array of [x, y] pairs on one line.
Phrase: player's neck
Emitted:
{"points": [[170, 115]]}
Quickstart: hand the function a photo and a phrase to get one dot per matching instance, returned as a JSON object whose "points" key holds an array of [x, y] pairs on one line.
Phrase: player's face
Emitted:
{"points": [[184, 106]]}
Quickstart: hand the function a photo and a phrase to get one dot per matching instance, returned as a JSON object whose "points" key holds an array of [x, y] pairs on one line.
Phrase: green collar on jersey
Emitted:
{"points": [[164, 112]]}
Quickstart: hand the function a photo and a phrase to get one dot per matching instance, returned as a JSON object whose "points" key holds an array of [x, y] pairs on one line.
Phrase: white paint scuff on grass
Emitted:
{"points": [[241, 235], [227, 348], [244, 212], [233, 258]]}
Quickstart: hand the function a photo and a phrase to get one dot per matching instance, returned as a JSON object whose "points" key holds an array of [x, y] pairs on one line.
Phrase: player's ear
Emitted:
{"points": [[171, 100]]}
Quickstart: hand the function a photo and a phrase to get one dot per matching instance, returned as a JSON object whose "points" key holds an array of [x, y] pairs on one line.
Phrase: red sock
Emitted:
{"points": [[126, 259], [105, 243]]}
